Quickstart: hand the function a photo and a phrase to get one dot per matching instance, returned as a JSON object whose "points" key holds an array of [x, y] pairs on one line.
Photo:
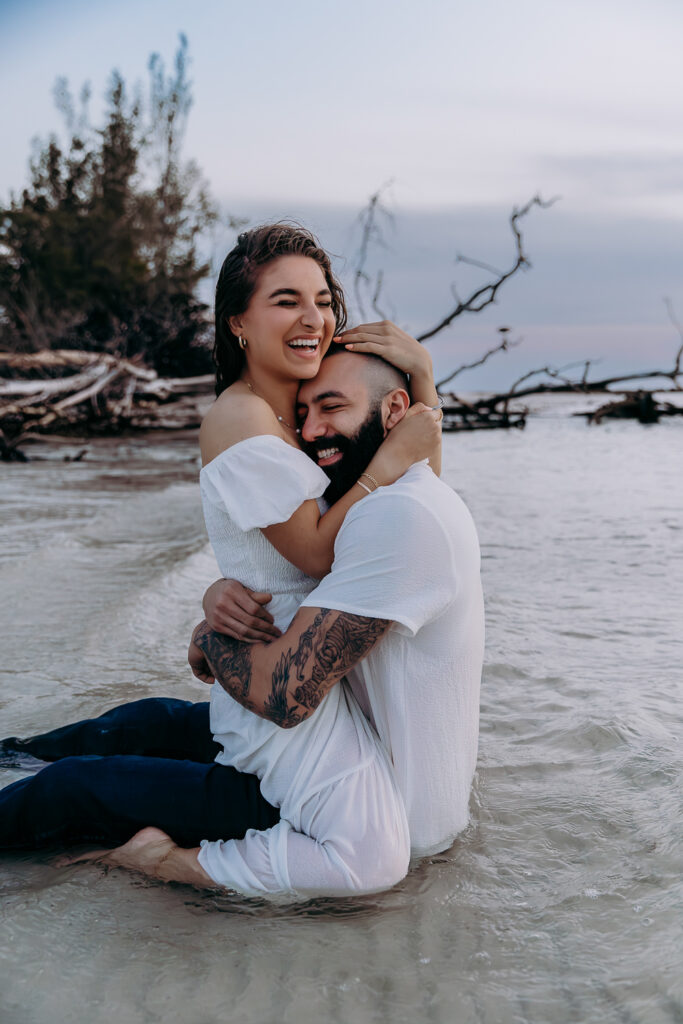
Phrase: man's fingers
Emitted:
{"points": [[260, 598], [201, 672]]}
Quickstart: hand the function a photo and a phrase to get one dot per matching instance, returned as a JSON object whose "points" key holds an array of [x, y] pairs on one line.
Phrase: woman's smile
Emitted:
{"points": [[305, 347]]}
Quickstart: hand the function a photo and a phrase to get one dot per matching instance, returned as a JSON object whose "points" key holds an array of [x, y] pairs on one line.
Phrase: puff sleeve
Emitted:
{"points": [[261, 481]]}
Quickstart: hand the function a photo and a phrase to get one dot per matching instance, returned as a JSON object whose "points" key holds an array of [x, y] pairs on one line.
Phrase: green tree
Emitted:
{"points": [[101, 249]]}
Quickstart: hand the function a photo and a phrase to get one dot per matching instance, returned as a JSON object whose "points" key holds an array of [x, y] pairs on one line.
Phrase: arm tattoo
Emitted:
{"points": [[333, 643], [229, 659], [276, 705]]}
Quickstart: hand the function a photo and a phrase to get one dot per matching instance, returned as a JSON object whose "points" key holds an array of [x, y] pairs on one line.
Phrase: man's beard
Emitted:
{"points": [[357, 452]]}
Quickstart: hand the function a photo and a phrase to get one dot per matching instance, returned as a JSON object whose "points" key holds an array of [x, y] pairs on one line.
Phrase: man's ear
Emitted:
{"points": [[394, 406]]}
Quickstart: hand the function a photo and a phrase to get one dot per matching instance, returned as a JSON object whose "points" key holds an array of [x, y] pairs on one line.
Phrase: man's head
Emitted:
{"points": [[346, 412]]}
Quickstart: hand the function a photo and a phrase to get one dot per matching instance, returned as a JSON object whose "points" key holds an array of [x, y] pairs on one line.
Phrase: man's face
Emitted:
{"points": [[341, 428]]}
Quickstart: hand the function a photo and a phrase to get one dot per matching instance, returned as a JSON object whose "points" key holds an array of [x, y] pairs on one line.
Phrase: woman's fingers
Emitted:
{"points": [[246, 609], [258, 619], [252, 602], [251, 632], [387, 340], [381, 327], [373, 347]]}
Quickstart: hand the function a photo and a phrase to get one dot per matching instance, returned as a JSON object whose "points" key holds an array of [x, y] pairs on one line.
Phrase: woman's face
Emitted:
{"points": [[289, 322]]}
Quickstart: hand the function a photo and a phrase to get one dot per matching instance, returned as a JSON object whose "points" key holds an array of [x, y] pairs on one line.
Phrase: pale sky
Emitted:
{"points": [[303, 109]]}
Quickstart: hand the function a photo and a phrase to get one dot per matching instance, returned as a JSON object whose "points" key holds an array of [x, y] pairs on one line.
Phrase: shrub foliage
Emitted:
{"points": [[101, 250]]}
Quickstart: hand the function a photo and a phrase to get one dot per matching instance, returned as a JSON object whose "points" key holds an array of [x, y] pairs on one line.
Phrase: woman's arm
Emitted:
{"points": [[406, 354], [307, 538]]}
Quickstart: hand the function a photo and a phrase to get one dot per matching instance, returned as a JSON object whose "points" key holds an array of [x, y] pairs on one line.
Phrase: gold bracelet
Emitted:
{"points": [[371, 479], [364, 486]]}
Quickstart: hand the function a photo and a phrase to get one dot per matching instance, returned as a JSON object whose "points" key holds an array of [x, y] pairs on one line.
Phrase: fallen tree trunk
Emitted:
{"points": [[84, 393], [461, 415], [633, 405]]}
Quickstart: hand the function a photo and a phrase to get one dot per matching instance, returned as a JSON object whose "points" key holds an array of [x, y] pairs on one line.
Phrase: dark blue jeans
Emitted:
{"points": [[150, 762]]}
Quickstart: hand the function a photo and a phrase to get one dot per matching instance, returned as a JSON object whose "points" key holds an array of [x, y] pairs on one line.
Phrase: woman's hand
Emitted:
{"points": [[391, 343], [405, 353], [414, 438], [238, 612]]}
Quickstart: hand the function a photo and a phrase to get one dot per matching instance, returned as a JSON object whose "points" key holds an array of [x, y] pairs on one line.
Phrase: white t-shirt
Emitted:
{"points": [[409, 553]]}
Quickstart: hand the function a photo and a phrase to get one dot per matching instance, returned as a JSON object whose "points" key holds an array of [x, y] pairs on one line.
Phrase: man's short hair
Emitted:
{"points": [[381, 376]]}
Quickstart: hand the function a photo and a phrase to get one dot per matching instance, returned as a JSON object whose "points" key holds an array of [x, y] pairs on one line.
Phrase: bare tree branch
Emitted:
{"points": [[505, 344], [381, 313], [371, 233], [559, 384], [486, 294]]}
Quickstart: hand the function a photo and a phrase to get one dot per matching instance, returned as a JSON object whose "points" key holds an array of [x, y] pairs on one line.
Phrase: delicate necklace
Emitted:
{"points": [[280, 419]]}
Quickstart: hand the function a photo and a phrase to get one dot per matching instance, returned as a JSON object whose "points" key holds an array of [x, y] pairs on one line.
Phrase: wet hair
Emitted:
{"points": [[381, 377], [238, 279]]}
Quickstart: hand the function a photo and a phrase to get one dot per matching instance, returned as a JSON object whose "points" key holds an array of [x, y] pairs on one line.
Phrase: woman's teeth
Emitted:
{"points": [[311, 343]]}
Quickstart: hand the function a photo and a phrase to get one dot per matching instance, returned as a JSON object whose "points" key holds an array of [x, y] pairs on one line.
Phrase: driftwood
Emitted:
{"points": [[76, 393], [502, 409], [634, 405]]}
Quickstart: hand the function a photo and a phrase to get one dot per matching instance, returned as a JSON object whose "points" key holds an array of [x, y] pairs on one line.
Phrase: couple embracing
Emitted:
{"points": [[341, 734]]}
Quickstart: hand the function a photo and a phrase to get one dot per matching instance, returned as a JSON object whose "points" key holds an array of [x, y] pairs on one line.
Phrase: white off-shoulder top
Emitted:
{"points": [[342, 817]]}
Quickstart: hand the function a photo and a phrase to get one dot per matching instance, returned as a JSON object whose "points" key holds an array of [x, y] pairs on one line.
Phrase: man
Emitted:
{"points": [[406, 573]]}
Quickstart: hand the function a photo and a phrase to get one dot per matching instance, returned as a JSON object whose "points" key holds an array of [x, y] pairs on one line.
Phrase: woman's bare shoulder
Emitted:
{"points": [[234, 416]]}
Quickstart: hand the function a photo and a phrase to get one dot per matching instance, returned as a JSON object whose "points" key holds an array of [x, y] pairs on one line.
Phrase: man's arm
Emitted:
{"points": [[285, 680]]}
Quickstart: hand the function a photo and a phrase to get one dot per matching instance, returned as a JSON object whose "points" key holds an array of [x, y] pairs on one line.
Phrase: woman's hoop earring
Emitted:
{"points": [[242, 342]]}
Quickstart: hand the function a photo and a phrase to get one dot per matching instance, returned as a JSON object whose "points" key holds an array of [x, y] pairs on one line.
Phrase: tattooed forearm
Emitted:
{"points": [[230, 660], [264, 678], [339, 643], [276, 705]]}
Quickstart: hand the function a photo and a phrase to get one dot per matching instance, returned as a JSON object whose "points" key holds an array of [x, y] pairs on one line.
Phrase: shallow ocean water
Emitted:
{"points": [[563, 899]]}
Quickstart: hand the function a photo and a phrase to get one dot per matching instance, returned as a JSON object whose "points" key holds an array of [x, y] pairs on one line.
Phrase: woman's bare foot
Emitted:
{"points": [[144, 852], [152, 853]]}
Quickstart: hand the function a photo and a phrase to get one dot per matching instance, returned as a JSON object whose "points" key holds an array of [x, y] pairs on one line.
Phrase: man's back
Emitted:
{"points": [[409, 553]]}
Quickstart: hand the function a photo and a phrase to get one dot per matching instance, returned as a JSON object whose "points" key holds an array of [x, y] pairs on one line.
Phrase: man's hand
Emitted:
{"points": [[198, 662], [238, 612], [286, 680]]}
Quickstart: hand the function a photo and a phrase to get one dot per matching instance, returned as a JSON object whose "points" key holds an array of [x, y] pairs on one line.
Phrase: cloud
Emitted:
{"points": [[595, 289], [619, 179]]}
